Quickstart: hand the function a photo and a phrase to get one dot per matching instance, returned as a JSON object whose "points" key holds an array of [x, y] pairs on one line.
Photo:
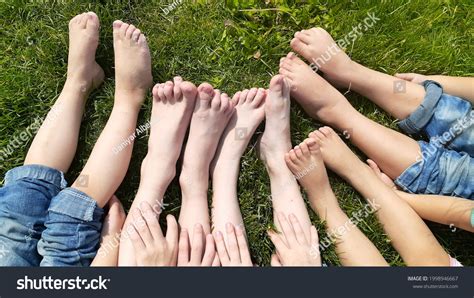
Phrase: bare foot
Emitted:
{"points": [[212, 112], [132, 60], [336, 154], [306, 163], [173, 104], [318, 47], [275, 141], [82, 71], [107, 255], [317, 97], [249, 113]]}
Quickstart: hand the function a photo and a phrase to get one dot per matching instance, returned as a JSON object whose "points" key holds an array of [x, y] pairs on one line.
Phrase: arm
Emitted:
{"points": [[458, 86]]}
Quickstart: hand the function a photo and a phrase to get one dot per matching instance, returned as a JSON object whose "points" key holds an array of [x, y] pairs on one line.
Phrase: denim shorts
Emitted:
{"points": [[446, 164], [43, 223]]}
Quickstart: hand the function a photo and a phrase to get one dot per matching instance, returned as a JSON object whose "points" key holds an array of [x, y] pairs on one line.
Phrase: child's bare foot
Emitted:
{"points": [[249, 113], [317, 97], [212, 112], [107, 255], [82, 71], [275, 141], [318, 47], [132, 60], [306, 163], [173, 104], [336, 154]]}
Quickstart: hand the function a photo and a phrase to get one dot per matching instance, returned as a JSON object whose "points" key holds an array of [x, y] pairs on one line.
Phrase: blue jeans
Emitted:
{"points": [[44, 223], [445, 165]]}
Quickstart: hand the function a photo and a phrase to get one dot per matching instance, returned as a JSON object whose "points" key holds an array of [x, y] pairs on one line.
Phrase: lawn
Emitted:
{"points": [[233, 46]]}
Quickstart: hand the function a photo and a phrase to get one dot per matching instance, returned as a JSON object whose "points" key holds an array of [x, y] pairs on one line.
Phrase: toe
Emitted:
{"points": [[155, 92], [289, 162], [299, 47], [236, 97], [75, 20], [298, 152], [161, 92], [304, 36], [123, 29], [93, 21], [304, 148], [216, 100], [293, 156], [189, 90], [206, 93], [168, 91], [327, 131], [311, 144], [136, 35], [243, 96], [83, 20], [142, 40], [251, 95], [259, 98], [225, 102], [129, 32]]}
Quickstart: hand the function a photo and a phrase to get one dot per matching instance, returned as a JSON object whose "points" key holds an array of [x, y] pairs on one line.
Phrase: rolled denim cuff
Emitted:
{"points": [[417, 120], [76, 204], [40, 172]]}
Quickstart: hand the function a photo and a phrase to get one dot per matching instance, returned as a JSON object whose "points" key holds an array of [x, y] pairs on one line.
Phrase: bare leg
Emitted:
{"points": [[409, 234], [352, 247], [107, 165], [393, 151], [275, 143], [249, 106], [173, 104], [398, 97], [211, 115], [56, 141]]}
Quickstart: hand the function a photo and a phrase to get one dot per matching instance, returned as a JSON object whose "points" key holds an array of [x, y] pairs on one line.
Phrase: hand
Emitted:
{"points": [[412, 77], [385, 179], [292, 246], [237, 252], [107, 255], [151, 247], [198, 257]]}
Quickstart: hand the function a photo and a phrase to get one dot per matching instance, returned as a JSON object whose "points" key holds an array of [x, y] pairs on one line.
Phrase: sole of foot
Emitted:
{"points": [[317, 97], [212, 112], [173, 105], [132, 60], [336, 154], [306, 163], [83, 71], [318, 47], [249, 113], [276, 141]]}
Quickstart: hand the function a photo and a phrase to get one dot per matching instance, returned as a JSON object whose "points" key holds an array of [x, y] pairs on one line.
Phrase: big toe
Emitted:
{"points": [[92, 21], [189, 90], [279, 85], [206, 92]]}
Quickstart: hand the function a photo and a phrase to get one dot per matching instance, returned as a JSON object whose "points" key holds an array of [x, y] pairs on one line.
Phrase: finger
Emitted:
{"points": [[275, 262], [152, 221], [216, 262], [243, 246], [197, 246], [137, 242], [210, 252], [172, 231], [183, 249], [233, 248], [300, 236], [406, 76], [287, 230], [142, 228], [280, 245], [221, 249]]}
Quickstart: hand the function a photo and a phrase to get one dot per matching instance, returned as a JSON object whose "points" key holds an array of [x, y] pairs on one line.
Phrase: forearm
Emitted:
{"points": [[441, 209], [458, 86]]}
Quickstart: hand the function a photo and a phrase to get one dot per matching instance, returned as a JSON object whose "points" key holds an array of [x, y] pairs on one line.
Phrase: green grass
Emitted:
{"points": [[233, 48]]}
